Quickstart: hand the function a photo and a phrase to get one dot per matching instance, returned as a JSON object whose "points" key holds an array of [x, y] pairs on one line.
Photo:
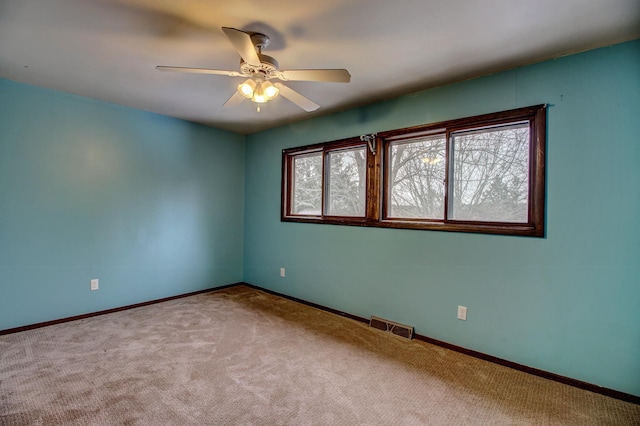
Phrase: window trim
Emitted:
{"points": [[378, 164]]}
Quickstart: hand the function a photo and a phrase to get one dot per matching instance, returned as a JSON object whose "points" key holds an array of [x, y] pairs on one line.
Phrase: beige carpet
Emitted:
{"points": [[242, 357]]}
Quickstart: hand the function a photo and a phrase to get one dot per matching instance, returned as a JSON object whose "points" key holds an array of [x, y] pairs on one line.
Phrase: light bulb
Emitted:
{"points": [[247, 88], [270, 91], [428, 160], [258, 94]]}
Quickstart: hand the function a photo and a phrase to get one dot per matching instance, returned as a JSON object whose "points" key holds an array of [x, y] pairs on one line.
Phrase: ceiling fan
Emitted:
{"points": [[259, 69]]}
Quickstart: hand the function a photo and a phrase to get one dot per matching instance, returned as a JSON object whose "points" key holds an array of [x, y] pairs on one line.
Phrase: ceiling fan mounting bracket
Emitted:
{"points": [[259, 40]]}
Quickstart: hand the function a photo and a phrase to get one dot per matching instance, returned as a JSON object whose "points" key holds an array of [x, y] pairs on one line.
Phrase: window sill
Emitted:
{"points": [[476, 228]]}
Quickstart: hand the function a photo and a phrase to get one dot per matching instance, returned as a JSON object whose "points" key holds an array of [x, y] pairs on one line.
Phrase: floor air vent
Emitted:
{"points": [[401, 330]]}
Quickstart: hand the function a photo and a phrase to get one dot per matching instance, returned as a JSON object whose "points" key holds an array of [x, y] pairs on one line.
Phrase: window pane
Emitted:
{"points": [[491, 174], [306, 195], [416, 178], [346, 182]]}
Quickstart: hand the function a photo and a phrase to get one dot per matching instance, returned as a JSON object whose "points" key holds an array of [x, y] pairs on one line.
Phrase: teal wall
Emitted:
{"points": [[154, 207], [150, 205], [568, 303]]}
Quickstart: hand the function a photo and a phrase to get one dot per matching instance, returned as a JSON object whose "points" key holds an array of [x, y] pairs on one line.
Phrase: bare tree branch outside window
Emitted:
{"points": [[491, 175], [347, 183], [417, 173], [307, 190]]}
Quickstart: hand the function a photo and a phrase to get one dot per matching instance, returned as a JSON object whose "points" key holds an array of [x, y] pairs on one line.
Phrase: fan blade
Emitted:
{"points": [[234, 100], [297, 98], [198, 71], [243, 44], [330, 76]]}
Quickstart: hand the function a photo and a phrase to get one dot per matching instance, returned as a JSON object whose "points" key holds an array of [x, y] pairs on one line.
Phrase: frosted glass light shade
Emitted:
{"points": [[247, 88]]}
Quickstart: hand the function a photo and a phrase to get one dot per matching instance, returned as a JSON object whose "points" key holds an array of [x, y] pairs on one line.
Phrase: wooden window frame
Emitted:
{"points": [[377, 186]]}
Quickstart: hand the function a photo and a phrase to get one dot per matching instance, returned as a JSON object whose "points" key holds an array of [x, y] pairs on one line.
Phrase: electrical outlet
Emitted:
{"points": [[462, 313], [282, 272], [94, 284]]}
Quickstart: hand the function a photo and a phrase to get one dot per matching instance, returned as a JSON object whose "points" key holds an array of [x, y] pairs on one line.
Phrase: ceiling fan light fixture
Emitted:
{"points": [[247, 89], [264, 91]]}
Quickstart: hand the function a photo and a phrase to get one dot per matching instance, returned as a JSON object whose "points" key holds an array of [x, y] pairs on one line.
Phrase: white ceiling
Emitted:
{"points": [[108, 49]]}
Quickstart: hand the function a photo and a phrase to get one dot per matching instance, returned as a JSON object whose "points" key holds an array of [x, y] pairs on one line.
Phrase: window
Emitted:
{"points": [[477, 174], [306, 191], [490, 174], [416, 176], [346, 179]]}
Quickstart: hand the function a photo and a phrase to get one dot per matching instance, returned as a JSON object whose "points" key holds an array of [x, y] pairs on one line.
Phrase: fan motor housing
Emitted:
{"points": [[268, 66]]}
